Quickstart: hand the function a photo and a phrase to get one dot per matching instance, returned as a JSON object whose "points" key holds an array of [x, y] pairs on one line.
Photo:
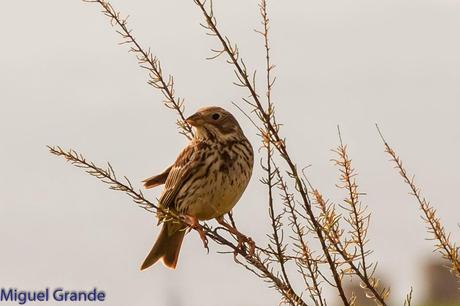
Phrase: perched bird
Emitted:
{"points": [[205, 182]]}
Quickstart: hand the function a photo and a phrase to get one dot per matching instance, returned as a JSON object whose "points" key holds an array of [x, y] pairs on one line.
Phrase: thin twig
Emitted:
{"points": [[270, 175], [333, 233], [149, 62], [358, 218], [306, 259], [443, 244]]}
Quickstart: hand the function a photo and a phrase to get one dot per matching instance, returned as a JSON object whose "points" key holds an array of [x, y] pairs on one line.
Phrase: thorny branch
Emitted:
{"points": [[358, 219], [253, 263], [308, 266], [269, 122], [443, 244], [149, 62], [276, 238], [334, 233]]}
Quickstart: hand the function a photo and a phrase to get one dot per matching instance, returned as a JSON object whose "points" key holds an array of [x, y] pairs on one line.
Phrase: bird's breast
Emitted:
{"points": [[226, 172]]}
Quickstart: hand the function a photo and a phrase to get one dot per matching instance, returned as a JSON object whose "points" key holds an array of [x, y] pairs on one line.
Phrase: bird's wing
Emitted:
{"points": [[179, 173], [157, 179]]}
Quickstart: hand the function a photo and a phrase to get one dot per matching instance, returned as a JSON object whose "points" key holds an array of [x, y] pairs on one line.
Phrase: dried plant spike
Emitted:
{"points": [[443, 243], [308, 266], [276, 238], [107, 175], [357, 217], [149, 62]]}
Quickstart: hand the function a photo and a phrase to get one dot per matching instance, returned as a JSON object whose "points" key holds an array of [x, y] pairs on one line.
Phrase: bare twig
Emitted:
{"points": [[306, 261], [358, 219], [149, 62], [269, 181], [443, 244], [333, 233], [106, 175]]}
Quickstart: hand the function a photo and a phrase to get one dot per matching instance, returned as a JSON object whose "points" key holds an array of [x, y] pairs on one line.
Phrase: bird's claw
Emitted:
{"points": [[203, 237], [193, 223], [242, 239]]}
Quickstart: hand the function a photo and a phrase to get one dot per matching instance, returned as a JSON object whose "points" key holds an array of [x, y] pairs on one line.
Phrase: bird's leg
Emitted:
{"points": [[193, 223], [241, 237]]}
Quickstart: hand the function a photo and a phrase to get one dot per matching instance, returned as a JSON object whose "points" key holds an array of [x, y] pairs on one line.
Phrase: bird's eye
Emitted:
{"points": [[215, 116]]}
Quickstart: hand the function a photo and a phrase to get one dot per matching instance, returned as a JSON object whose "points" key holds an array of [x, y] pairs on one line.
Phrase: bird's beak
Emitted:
{"points": [[195, 119]]}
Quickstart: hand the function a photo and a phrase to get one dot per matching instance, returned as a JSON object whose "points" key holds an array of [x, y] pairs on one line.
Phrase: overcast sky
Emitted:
{"points": [[64, 81]]}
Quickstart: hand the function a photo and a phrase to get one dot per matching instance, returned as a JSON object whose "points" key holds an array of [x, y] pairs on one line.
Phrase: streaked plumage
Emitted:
{"points": [[206, 180]]}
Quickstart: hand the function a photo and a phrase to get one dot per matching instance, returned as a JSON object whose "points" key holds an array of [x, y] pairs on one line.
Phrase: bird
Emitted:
{"points": [[205, 182]]}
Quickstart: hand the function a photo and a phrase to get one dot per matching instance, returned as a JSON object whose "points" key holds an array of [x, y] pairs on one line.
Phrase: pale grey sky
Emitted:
{"points": [[64, 81]]}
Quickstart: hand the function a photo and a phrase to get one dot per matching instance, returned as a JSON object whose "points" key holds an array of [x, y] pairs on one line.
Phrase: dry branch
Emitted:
{"points": [[149, 62], [308, 266], [267, 118], [254, 263], [358, 219], [276, 237], [443, 243]]}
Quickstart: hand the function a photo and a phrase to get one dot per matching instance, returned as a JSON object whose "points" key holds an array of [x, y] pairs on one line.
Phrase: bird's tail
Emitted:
{"points": [[167, 246]]}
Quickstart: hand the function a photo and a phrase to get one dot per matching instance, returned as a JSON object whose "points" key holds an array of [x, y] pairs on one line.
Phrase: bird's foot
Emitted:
{"points": [[193, 223], [242, 239]]}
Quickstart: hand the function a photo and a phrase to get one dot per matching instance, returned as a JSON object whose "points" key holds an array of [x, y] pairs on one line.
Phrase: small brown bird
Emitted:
{"points": [[205, 182]]}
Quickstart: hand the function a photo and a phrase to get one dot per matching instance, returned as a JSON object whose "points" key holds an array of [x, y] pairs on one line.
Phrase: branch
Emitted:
{"points": [[443, 245], [254, 263], [149, 62], [358, 219], [276, 224], [333, 234], [270, 123], [106, 175], [306, 260]]}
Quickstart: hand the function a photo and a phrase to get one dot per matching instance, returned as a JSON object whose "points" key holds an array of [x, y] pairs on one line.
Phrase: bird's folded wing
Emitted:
{"points": [[180, 172]]}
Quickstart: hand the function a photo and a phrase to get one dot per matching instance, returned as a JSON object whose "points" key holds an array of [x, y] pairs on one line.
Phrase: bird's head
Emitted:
{"points": [[215, 123]]}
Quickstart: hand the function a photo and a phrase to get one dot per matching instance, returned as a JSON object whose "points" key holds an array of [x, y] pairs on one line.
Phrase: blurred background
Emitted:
{"points": [[64, 81]]}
